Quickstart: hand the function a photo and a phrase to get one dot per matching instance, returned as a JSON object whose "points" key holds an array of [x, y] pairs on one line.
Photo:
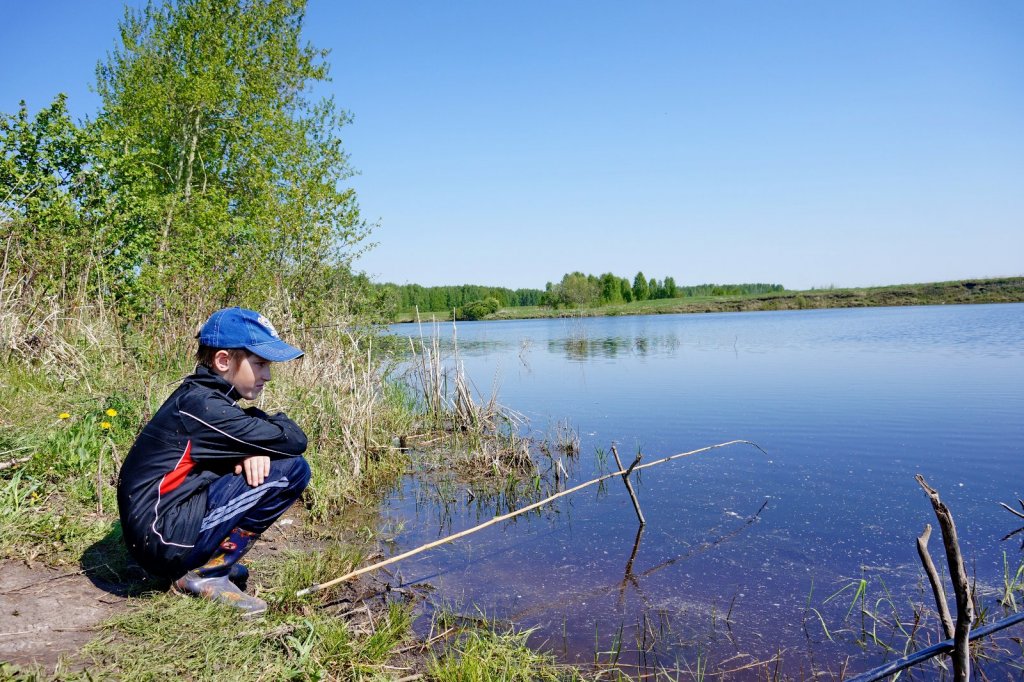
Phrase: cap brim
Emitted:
{"points": [[275, 351]]}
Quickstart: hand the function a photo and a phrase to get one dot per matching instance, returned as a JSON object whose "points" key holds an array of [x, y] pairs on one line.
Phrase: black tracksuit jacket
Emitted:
{"points": [[196, 436]]}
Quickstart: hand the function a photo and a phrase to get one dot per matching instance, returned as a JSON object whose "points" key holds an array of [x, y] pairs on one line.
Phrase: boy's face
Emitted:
{"points": [[247, 373]]}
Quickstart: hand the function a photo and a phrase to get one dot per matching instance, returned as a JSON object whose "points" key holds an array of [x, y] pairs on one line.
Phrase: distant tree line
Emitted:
{"points": [[409, 297], [578, 289]]}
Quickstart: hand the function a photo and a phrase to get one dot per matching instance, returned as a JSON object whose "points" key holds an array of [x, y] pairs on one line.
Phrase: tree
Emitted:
{"points": [[610, 291], [43, 173], [641, 291], [626, 290], [670, 287], [575, 289], [226, 174]]}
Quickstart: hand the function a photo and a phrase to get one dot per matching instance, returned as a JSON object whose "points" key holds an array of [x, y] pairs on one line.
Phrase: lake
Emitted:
{"points": [[742, 551]]}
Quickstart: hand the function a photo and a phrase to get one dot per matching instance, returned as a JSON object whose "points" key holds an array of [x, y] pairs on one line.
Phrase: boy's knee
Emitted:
{"points": [[298, 472]]}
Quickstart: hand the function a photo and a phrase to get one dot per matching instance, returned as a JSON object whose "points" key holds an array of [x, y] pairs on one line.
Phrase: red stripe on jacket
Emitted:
{"points": [[181, 469]]}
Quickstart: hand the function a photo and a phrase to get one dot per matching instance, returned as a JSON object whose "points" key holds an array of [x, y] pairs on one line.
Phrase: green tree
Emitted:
{"points": [[670, 287], [610, 290], [44, 175], [641, 290], [626, 290], [575, 290], [227, 176]]}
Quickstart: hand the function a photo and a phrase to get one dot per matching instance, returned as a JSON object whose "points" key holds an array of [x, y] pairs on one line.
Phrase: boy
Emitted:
{"points": [[206, 477]]}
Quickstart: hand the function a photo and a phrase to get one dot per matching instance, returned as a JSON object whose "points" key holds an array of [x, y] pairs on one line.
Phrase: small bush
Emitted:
{"points": [[478, 310]]}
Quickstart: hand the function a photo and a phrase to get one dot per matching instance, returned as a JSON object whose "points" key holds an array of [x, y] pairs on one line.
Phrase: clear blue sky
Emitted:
{"points": [[506, 143]]}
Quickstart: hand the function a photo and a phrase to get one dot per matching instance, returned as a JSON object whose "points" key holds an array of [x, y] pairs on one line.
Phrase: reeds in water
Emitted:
{"points": [[485, 433]]}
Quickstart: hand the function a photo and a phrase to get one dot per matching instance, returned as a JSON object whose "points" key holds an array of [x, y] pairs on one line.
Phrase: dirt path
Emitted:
{"points": [[47, 613]]}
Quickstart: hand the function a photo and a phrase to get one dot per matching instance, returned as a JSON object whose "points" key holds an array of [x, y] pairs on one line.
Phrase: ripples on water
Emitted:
{"points": [[850, 404]]}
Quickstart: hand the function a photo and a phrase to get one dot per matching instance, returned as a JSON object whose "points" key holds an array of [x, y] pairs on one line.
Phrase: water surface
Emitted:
{"points": [[849, 405]]}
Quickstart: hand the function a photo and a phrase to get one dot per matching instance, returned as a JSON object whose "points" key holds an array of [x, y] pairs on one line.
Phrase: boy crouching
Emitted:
{"points": [[206, 477]]}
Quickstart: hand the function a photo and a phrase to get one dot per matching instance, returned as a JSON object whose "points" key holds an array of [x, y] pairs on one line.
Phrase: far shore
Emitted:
{"points": [[997, 290]]}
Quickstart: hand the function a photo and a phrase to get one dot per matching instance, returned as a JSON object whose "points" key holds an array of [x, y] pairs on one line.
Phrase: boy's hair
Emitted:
{"points": [[204, 354]]}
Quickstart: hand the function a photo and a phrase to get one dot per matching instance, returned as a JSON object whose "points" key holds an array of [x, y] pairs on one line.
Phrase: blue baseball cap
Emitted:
{"points": [[241, 328]]}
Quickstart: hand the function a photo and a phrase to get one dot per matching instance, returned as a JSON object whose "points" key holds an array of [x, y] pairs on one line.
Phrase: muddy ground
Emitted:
{"points": [[48, 614]]}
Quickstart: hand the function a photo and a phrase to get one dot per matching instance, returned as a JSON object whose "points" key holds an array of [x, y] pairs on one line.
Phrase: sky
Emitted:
{"points": [[809, 144]]}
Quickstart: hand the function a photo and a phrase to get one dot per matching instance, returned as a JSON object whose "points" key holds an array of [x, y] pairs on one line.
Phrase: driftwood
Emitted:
{"points": [[933, 578], [1012, 510], [961, 586], [505, 517]]}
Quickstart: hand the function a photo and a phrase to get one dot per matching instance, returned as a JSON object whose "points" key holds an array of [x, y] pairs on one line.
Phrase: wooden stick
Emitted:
{"points": [[13, 463], [629, 486], [504, 517], [1011, 510], [961, 586], [933, 578]]}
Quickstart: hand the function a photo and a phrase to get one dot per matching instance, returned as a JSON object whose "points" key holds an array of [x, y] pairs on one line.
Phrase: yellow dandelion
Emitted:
{"points": [[111, 412], [105, 425], [64, 415]]}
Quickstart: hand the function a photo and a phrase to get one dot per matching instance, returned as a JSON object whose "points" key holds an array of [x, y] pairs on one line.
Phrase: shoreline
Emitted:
{"points": [[957, 292]]}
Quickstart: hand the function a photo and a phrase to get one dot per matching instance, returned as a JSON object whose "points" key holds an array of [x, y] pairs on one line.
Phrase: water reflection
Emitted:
{"points": [[581, 348]]}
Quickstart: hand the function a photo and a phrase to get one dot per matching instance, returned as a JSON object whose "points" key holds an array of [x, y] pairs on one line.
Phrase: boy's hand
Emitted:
{"points": [[256, 469]]}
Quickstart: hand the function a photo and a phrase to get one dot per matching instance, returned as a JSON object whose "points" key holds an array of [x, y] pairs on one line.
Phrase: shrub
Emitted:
{"points": [[478, 309]]}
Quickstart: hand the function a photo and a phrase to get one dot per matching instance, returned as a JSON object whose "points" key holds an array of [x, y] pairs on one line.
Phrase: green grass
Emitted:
{"points": [[484, 655], [167, 637], [298, 570], [1013, 585], [62, 500]]}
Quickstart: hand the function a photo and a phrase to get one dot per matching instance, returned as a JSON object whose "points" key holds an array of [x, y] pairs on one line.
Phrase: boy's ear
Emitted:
{"points": [[221, 361]]}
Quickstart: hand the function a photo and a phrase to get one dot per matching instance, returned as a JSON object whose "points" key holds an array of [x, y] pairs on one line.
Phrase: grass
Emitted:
{"points": [[486, 655], [166, 637], [298, 570]]}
